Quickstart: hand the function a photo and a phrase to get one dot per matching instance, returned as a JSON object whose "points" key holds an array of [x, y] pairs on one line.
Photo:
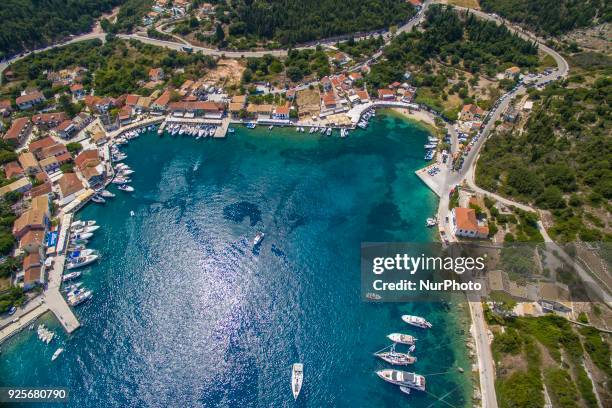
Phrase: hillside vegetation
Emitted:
{"points": [[552, 17], [560, 161], [292, 22], [28, 24]]}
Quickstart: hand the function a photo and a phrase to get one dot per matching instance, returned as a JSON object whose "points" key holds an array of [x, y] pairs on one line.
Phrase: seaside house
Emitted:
{"points": [[12, 170], [471, 112], [281, 112], [125, 115], [28, 163], [328, 101], [206, 109], [70, 187], [65, 130], [465, 224], [156, 74], [143, 104], [364, 97], [90, 166], [263, 111], [235, 109], [239, 100], [37, 146], [159, 106], [21, 186], [35, 219], [32, 271], [19, 131], [77, 91], [46, 121], [27, 101], [386, 94], [354, 76]]}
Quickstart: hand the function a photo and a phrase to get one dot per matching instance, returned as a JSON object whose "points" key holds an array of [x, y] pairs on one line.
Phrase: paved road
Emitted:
{"points": [[486, 367]]}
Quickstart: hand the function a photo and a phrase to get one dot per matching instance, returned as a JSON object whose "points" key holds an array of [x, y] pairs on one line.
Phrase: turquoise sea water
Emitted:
{"points": [[185, 314]]}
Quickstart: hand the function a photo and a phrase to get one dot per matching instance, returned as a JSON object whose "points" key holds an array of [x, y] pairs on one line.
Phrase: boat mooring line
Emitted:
{"points": [[442, 398]]}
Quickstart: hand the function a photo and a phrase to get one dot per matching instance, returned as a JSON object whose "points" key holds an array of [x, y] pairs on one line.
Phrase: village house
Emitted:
{"points": [[470, 113], [32, 271], [326, 84], [37, 146], [5, 107], [511, 72], [263, 111], [13, 170], [160, 105], [125, 115], [27, 101], [32, 241], [19, 131], [70, 187], [49, 165], [281, 112], [156, 74], [234, 109], [328, 101], [82, 120], [90, 166], [55, 150], [97, 104], [65, 130], [340, 58], [131, 100], [386, 94], [22, 185], [143, 104], [77, 91], [206, 109], [41, 189], [46, 121], [239, 100], [354, 76], [364, 97], [465, 224], [36, 218], [28, 163]]}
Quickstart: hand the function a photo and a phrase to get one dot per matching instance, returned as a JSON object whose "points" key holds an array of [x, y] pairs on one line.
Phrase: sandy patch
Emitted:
{"points": [[228, 72]]}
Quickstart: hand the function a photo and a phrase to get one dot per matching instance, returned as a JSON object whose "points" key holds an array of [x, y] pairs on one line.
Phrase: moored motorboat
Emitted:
{"points": [[258, 238], [97, 199], [417, 321], [79, 298], [70, 276], [79, 262], [403, 378], [106, 194], [125, 187], [83, 236], [297, 378], [57, 353], [82, 223]]}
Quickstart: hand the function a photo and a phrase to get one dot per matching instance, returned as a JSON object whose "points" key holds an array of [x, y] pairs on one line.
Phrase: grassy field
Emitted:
{"points": [[465, 3]]}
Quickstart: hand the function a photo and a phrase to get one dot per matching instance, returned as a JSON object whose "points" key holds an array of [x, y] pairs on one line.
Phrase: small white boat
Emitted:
{"points": [[373, 296], [79, 298], [82, 223], [329, 131], [401, 338], [107, 194], [125, 187], [416, 321], [97, 199], [132, 213], [297, 377], [258, 238], [81, 261], [70, 276], [85, 235], [82, 230], [57, 353], [405, 390]]}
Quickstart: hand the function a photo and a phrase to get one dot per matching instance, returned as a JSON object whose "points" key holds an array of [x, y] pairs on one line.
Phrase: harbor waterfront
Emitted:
{"points": [[186, 313]]}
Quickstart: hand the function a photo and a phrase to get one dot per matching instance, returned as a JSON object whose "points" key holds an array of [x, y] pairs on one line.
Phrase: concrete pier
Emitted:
{"points": [[24, 321], [54, 299]]}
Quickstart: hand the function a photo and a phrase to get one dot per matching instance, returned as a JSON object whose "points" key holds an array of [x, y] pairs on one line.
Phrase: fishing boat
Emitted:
{"points": [[373, 296], [403, 378], [416, 321], [297, 377], [396, 358], [125, 187], [258, 238], [97, 199], [70, 276], [81, 261], [57, 353], [401, 338]]}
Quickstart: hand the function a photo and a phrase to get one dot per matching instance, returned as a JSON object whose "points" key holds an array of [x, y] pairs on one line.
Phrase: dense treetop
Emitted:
{"points": [[551, 16], [28, 24]]}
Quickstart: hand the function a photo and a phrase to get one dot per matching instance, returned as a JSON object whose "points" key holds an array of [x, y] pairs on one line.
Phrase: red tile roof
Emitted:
{"points": [[16, 128], [29, 97], [12, 169], [41, 144]]}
